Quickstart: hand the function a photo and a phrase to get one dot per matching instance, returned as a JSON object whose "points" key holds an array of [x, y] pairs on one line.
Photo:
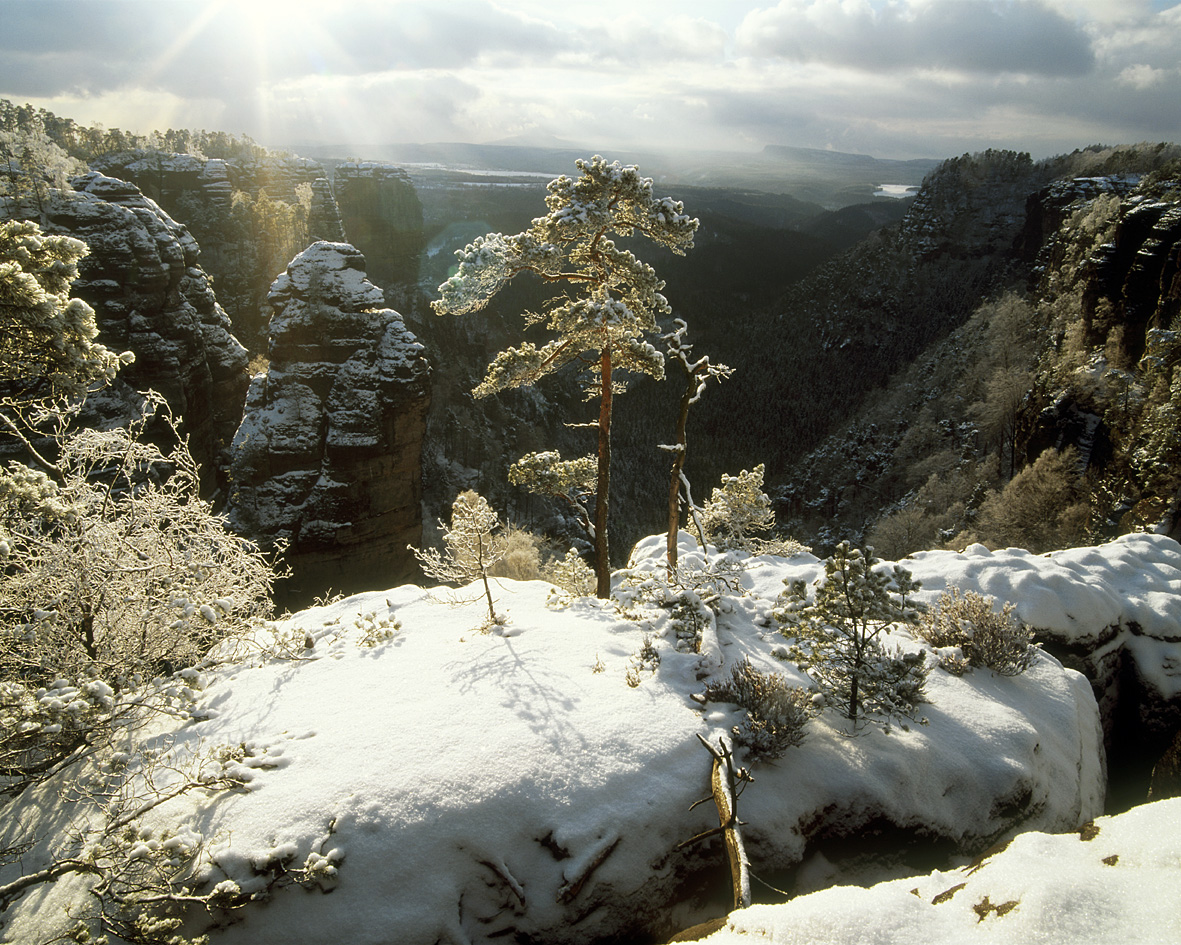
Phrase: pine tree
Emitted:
{"points": [[839, 629], [469, 546], [739, 511], [600, 327], [48, 353]]}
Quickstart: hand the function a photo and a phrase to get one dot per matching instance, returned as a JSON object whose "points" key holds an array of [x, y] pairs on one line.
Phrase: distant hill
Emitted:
{"points": [[832, 179]]}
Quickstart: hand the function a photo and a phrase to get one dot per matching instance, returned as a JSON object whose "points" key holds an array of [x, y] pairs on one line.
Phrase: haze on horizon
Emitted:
{"points": [[890, 78]]}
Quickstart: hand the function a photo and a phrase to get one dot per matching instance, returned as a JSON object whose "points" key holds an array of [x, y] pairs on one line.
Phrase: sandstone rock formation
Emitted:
{"points": [[150, 295], [328, 455], [169, 177], [324, 215], [382, 217]]}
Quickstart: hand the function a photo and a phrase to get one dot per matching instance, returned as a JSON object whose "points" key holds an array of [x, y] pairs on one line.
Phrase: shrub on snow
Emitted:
{"points": [[984, 636], [776, 713]]}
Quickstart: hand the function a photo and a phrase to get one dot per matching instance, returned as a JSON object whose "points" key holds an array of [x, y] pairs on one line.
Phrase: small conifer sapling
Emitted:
{"points": [[471, 545], [838, 632]]}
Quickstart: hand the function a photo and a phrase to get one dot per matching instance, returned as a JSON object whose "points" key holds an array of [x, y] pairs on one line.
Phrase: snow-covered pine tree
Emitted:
{"points": [[838, 634], [601, 325], [739, 511], [48, 352], [697, 375], [469, 546]]}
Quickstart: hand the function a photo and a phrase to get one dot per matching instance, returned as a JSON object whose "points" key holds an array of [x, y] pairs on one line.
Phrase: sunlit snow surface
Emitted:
{"points": [[479, 786], [1121, 886]]}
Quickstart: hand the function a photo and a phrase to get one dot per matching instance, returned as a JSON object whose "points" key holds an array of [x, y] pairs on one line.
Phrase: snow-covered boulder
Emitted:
{"points": [[535, 784], [328, 454], [1114, 882], [1112, 611]]}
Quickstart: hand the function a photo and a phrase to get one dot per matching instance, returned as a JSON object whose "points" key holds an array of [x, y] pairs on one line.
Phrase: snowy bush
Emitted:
{"points": [[971, 624], [573, 576], [116, 568], [776, 713], [470, 548], [839, 628], [738, 512], [116, 572], [645, 660]]}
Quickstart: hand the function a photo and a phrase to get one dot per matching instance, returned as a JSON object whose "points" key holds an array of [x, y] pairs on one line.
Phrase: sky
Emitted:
{"points": [[890, 78]]}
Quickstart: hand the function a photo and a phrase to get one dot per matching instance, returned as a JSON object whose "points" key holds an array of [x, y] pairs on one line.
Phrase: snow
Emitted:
{"points": [[450, 785], [1120, 886]]}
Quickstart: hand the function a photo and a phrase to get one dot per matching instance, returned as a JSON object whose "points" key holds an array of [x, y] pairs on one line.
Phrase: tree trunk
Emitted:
{"points": [[602, 549], [674, 482]]}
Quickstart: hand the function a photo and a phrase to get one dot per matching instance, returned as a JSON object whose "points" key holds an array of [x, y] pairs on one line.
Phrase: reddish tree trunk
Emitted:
{"points": [[602, 555]]}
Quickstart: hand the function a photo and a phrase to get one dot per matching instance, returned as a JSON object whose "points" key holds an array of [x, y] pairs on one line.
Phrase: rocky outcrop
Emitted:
{"points": [[151, 296], [170, 178], [971, 207], [328, 456], [382, 216], [1119, 630], [324, 215]]}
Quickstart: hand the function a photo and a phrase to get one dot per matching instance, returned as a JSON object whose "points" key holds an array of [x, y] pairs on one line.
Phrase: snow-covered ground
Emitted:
{"points": [[1117, 881], [472, 787]]}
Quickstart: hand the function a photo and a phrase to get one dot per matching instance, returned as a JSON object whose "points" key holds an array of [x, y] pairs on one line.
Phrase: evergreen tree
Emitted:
{"points": [[600, 325], [48, 351], [469, 546], [840, 629], [738, 511]]}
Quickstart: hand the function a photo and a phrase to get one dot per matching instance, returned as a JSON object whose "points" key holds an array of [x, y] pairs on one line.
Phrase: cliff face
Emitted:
{"points": [[250, 215], [382, 217], [168, 178], [328, 455], [151, 296]]}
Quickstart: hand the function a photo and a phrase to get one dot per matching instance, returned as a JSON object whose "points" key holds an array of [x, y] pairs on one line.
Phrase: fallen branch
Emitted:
{"points": [[573, 887], [725, 787]]}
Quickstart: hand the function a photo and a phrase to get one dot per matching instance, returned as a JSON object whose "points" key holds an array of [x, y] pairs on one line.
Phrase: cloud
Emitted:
{"points": [[886, 77], [1141, 76], [224, 46], [974, 36]]}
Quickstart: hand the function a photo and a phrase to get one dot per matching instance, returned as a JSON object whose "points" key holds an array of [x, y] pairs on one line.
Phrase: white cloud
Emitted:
{"points": [[888, 77], [978, 36], [1141, 76]]}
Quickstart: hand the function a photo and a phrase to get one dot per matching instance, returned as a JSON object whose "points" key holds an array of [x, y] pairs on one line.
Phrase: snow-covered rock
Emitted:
{"points": [[150, 295], [534, 784], [1114, 882], [328, 454], [1113, 612]]}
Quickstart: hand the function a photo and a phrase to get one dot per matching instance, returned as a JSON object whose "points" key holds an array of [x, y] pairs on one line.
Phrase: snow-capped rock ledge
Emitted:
{"points": [[515, 787], [1113, 883], [1113, 612]]}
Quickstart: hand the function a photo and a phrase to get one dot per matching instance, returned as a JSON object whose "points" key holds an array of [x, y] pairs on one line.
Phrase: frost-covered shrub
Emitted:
{"points": [[521, 560], [838, 632], [645, 660], [738, 512], [572, 575], [117, 569], [472, 544], [971, 624], [776, 713]]}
